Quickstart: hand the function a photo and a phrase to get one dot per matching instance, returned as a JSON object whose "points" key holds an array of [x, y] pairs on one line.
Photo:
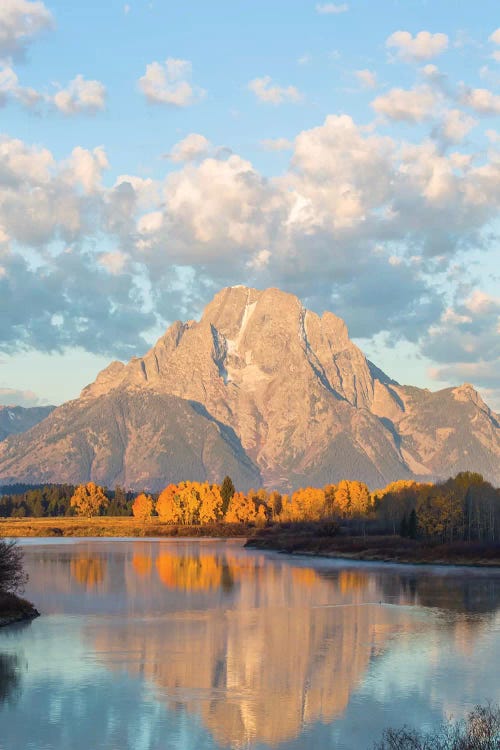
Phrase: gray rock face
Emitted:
{"points": [[16, 419], [283, 398]]}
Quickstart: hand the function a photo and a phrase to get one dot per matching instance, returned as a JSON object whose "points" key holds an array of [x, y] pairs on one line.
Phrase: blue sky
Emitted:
{"points": [[152, 152]]}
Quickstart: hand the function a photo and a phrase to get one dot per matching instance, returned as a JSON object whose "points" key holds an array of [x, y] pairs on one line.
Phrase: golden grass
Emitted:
{"points": [[112, 527]]}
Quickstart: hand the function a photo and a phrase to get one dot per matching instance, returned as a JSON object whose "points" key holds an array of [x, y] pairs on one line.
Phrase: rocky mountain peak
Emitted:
{"points": [[272, 388]]}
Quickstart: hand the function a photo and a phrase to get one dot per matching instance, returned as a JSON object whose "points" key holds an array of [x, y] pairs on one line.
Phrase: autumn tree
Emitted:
{"points": [[142, 507], [342, 499], [241, 509], [89, 500], [211, 502], [168, 506], [188, 498], [361, 501], [275, 504], [306, 504], [227, 490]]}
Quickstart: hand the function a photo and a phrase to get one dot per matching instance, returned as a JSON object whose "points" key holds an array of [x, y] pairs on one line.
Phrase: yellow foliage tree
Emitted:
{"points": [[361, 500], [275, 504], [167, 505], [188, 497], [241, 509], [342, 499], [210, 503], [143, 507], [89, 499], [307, 504]]}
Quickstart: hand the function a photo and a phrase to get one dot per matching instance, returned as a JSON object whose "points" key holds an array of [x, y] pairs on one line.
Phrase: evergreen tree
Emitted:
{"points": [[227, 491], [403, 529], [413, 524]]}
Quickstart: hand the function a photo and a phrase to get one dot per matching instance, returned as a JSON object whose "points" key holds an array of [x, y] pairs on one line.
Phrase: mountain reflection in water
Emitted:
{"points": [[259, 648]]}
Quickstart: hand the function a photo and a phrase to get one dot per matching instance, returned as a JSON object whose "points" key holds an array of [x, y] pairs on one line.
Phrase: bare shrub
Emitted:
{"points": [[479, 731], [12, 575]]}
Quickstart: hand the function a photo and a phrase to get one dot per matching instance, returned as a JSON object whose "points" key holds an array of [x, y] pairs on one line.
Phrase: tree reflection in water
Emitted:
{"points": [[10, 680]]}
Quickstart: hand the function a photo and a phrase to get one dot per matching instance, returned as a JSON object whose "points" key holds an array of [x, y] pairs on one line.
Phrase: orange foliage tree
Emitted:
{"points": [[143, 507], [241, 509], [352, 499], [210, 502], [89, 499], [167, 505], [306, 504]]}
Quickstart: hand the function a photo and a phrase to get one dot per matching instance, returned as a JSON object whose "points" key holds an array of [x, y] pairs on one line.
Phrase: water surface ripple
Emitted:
{"points": [[187, 645]]}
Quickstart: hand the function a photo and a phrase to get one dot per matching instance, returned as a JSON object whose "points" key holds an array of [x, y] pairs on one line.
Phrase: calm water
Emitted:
{"points": [[192, 645]]}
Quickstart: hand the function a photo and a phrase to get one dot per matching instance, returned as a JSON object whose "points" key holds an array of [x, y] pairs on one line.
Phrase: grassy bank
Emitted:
{"points": [[115, 527], [308, 539], [14, 609]]}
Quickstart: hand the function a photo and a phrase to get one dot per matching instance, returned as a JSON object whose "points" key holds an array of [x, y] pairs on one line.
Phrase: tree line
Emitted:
{"points": [[465, 507], [20, 501]]}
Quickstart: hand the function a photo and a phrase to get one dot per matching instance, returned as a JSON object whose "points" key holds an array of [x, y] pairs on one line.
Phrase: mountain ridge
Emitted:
{"points": [[299, 398]]}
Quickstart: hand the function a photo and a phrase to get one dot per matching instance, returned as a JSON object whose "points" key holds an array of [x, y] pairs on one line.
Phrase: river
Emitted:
{"points": [[203, 645]]}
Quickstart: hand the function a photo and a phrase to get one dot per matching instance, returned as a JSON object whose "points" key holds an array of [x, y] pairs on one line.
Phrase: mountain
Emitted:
{"points": [[16, 419], [266, 391]]}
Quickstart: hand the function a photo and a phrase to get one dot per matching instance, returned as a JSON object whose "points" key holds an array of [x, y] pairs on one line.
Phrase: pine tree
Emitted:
{"points": [[403, 529], [413, 525], [227, 491]]}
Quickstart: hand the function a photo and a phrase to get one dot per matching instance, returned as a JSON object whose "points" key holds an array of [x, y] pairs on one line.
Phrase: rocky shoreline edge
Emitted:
{"points": [[14, 609]]}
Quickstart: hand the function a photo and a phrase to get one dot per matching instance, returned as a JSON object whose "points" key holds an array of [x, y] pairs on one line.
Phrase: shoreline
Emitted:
{"points": [[390, 550], [111, 527], [459, 562], [14, 609]]}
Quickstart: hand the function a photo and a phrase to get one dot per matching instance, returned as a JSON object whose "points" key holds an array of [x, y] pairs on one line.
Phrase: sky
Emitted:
{"points": [[152, 153]]}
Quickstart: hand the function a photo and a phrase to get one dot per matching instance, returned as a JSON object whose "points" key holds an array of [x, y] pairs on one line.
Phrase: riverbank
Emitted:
{"points": [[15, 609], [123, 526], [376, 548]]}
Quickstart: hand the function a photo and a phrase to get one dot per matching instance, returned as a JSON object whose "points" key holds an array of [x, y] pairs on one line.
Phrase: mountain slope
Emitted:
{"points": [[300, 399], [16, 419], [137, 440]]}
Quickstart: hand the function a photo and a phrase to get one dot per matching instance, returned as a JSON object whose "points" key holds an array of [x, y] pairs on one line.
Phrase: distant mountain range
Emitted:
{"points": [[16, 419], [265, 391]]}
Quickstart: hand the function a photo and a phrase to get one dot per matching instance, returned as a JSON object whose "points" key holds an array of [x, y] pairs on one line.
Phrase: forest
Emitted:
{"points": [[462, 508]]}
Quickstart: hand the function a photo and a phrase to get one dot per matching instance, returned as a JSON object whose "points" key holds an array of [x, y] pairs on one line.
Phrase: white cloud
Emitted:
{"points": [[169, 83], [259, 261], [20, 22], [192, 147], [126, 9], [422, 46], [465, 343], [273, 94], [367, 78], [80, 96], [410, 105], [331, 8], [360, 206], [114, 262], [84, 168], [11, 89], [455, 125], [15, 397], [276, 144], [482, 101]]}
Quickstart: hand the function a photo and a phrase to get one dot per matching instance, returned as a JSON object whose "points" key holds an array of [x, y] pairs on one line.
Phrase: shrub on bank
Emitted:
{"points": [[12, 575], [479, 731]]}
